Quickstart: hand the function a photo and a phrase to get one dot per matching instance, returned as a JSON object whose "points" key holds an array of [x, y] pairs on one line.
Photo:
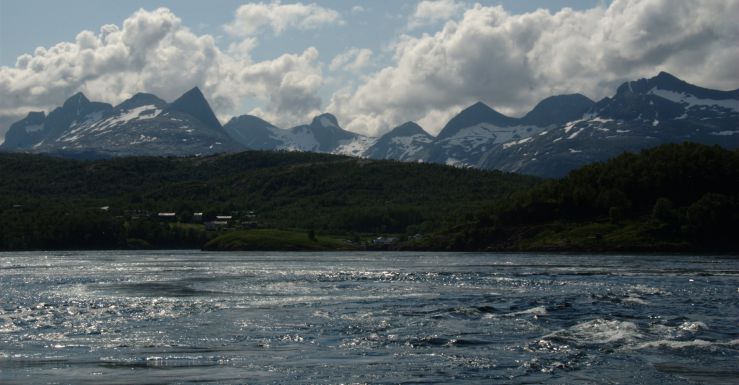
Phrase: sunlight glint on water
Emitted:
{"points": [[174, 316]]}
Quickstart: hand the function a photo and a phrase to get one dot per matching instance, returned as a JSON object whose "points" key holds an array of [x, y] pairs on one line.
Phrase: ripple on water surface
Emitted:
{"points": [[163, 317]]}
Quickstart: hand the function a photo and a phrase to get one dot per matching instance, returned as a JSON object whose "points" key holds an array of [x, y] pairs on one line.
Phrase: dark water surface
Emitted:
{"points": [[196, 317]]}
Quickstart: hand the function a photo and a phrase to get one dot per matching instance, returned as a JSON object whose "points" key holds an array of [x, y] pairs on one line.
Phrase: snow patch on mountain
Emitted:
{"points": [[689, 101], [144, 139], [409, 145], [137, 113], [455, 163], [726, 133], [576, 133], [302, 139], [517, 142], [355, 147], [94, 122], [571, 124], [598, 119], [482, 136]]}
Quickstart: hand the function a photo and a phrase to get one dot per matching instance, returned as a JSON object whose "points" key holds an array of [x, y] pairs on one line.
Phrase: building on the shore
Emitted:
{"points": [[381, 241], [167, 216], [215, 225]]}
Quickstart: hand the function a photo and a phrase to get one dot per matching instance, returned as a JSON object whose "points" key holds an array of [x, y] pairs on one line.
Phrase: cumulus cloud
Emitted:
{"points": [[433, 11], [513, 61], [353, 59], [153, 52], [291, 84], [510, 61], [357, 9], [254, 17]]}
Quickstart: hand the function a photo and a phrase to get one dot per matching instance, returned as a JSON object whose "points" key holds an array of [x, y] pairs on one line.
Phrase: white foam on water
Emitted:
{"points": [[692, 326], [635, 299], [647, 290], [598, 331], [537, 311], [672, 344]]}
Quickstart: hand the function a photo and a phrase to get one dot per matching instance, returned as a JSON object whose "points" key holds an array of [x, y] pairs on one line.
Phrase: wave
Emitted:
{"points": [[597, 331]]}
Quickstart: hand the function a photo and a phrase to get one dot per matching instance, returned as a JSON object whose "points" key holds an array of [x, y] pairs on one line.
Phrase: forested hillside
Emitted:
{"points": [[48, 202], [672, 197]]}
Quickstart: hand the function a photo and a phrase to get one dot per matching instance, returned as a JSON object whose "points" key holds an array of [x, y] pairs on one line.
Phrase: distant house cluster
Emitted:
{"points": [[384, 241], [233, 220]]}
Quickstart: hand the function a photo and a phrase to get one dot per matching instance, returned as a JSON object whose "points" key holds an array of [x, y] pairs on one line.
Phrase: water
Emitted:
{"points": [[196, 317]]}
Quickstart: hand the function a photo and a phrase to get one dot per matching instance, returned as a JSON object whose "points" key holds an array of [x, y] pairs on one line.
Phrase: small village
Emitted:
{"points": [[236, 220]]}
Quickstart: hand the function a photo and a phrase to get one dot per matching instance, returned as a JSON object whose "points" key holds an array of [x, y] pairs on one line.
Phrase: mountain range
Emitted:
{"points": [[559, 134]]}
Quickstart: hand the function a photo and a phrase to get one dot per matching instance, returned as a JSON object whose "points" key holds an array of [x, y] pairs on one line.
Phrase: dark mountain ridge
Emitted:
{"points": [[193, 103], [560, 133], [140, 125]]}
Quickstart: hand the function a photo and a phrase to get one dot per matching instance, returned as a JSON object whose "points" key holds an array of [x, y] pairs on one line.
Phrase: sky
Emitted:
{"points": [[373, 64]]}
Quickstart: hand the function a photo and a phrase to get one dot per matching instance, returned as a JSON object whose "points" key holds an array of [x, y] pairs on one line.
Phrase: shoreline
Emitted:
{"points": [[714, 253]]}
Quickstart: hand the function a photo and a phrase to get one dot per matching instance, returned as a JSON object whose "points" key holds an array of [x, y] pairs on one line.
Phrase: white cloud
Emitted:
{"points": [[513, 61], [289, 85], [432, 11], [253, 17], [357, 9], [353, 59], [508, 61], [153, 52]]}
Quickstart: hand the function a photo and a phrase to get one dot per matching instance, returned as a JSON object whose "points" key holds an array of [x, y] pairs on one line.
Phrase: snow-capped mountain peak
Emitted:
{"points": [[143, 124], [560, 133], [141, 99], [473, 115], [407, 129]]}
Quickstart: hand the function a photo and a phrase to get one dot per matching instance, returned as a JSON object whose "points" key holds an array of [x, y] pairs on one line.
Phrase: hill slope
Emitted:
{"points": [[43, 198], [673, 197]]}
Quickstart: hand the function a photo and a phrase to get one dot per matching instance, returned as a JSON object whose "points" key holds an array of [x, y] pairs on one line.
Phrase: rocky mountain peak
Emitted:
{"points": [[475, 114], [76, 102], [325, 120], [141, 99], [407, 129], [558, 109], [193, 102]]}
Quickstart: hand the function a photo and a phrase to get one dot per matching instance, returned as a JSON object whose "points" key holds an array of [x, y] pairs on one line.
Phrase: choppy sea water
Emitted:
{"points": [[122, 317]]}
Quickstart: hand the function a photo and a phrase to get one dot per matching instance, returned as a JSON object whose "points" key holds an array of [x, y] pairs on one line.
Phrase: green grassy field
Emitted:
{"points": [[635, 235], [276, 240]]}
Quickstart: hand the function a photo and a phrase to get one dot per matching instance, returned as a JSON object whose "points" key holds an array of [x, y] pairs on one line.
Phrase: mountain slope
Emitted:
{"points": [[478, 128], [26, 132], [323, 134], [141, 125], [642, 114], [474, 115], [559, 134], [407, 142], [194, 104], [254, 133], [558, 109]]}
